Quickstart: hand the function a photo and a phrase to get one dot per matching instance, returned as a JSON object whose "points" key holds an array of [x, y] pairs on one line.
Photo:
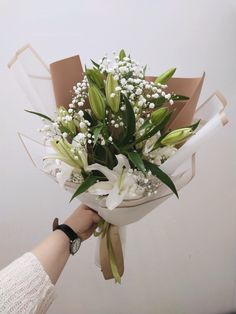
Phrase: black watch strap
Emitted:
{"points": [[66, 229]]}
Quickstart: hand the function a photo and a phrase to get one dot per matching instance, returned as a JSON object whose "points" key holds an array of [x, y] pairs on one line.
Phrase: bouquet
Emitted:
{"points": [[119, 140]]}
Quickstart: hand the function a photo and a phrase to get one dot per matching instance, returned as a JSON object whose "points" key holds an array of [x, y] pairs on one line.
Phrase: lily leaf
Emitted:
{"points": [[154, 130], [135, 158], [95, 63], [160, 100], [145, 125], [96, 131], [161, 175], [129, 120], [158, 142], [89, 181], [179, 97], [40, 115], [90, 118]]}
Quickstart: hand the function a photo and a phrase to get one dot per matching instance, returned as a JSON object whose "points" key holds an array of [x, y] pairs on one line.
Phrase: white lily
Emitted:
{"points": [[64, 174], [161, 154], [120, 180], [62, 170]]}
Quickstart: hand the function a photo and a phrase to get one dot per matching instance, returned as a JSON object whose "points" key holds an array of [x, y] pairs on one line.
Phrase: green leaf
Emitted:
{"points": [[88, 117], [144, 70], [89, 181], [160, 100], [158, 142], [99, 154], [40, 115], [161, 175], [129, 121], [95, 63], [179, 97], [135, 158], [96, 131], [154, 130]]}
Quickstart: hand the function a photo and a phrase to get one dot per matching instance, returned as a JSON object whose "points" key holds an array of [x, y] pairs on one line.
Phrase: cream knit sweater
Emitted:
{"points": [[25, 287]]}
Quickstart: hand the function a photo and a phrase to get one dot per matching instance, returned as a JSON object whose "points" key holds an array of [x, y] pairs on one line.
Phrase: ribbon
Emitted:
{"points": [[111, 255]]}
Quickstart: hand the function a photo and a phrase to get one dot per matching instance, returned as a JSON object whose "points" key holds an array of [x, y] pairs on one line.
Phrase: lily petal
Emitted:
{"points": [[115, 197], [101, 188], [122, 162], [64, 174], [110, 174]]}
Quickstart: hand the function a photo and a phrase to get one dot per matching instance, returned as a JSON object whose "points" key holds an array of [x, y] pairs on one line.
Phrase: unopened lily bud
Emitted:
{"points": [[122, 54], [97, 102], [159, 115], [112, 95], [176, 136], [64, 150], [96, 77], [164, 77]]}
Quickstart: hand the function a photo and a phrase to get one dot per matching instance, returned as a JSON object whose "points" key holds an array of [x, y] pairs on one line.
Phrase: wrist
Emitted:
{"points": [[74, 222]]}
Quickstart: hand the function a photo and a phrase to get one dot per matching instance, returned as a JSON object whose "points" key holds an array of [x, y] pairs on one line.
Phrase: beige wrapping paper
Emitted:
{"points": [[65, 74], [104, 256], [68, 72]]}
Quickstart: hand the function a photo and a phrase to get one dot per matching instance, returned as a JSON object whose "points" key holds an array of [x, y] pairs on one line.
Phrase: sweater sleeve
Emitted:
{"points": [[25, 287]]}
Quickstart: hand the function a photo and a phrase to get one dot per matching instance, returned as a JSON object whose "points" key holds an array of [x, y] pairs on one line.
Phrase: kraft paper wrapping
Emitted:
{"points": [[65, 74], [68, 72]]}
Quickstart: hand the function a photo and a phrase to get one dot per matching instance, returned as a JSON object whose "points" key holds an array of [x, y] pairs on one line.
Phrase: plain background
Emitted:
{"points": [[180, 259]]}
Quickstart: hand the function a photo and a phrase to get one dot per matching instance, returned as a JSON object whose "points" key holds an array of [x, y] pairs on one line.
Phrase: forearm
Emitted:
{"points": [[53, 254], [54, 251]]}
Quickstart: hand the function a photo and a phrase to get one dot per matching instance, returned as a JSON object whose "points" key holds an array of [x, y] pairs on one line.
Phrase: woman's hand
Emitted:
{"points": [[83, 221]]}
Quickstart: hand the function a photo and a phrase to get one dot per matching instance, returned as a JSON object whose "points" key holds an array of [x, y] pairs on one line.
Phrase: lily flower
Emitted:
{"points": [[120, 180], [63, 158]]}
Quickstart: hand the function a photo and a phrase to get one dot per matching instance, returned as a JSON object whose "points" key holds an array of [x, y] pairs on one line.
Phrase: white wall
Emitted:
{"points": [[182, 257]]}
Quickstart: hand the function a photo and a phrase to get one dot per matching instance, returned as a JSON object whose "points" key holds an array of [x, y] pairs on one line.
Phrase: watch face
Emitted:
{"points": [[75, 245]]}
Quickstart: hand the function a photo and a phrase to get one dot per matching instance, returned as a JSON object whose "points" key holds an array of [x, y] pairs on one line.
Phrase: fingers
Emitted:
{"points": [[95, 217], [87, 234]]}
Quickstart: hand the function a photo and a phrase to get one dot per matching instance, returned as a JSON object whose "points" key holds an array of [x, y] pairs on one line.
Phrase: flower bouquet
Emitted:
{"points": [[120, 141]]}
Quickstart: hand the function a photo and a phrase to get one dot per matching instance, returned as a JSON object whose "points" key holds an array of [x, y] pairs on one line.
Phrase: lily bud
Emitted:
{"points": [[122, 54], [159, 115], [96, 77], [97, 102], [164, 77], [112, 95], [63, 149], [176, 136]]}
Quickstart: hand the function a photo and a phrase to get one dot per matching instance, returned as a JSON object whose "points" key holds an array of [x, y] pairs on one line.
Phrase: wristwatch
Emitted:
{"points": [[75, 240]]}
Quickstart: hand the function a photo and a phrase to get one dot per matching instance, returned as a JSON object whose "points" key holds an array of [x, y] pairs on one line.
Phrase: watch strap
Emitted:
{"points": [[65, 228]]}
